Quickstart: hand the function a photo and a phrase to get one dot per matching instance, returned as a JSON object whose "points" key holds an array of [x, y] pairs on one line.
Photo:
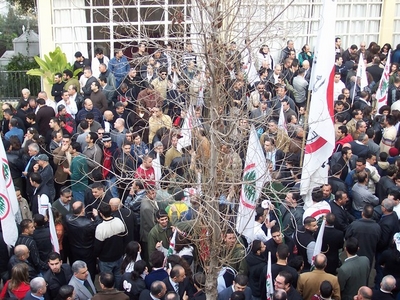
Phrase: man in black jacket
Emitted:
{"points": [[256, 263], [25, 238], [342, 217], [58, 274], [81, 232]]}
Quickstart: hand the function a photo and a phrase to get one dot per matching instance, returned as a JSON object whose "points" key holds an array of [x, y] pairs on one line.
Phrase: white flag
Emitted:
{"points": [[282, 121], [8, 201], [318, 242], [269, 281], [186, 130], [53, 232], [362, 72], [157, 170], [254, 176], [361, 75], [321, 136], [382, 92]]}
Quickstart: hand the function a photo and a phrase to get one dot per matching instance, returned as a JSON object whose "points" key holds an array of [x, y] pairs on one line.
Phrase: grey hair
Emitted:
{"points": [[34, 147], [36, 284], [26, 91], [388, 204], [388, 283], [77, 265]]}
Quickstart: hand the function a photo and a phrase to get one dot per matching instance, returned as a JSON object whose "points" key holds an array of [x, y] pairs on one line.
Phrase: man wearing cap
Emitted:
{"points": [[81, 62], [45, 170], [68, 104]]}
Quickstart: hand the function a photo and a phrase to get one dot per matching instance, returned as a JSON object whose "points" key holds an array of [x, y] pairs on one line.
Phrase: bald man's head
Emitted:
{"points": [[21, 252], [364, 292], [108, 115], [115, 203]]}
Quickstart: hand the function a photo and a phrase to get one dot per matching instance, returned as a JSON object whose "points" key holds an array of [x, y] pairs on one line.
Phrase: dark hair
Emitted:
{"points": [[76, 146], [138, 269], [36, 177], [368, 211], [107, 279], [283, 251], [256, 245], [316, 194], [131, 253], [352, 245], [68, 73], [105, 210], [53, 256], [296, 262], [157, 259], [326, 289], [241, 279], [238, 296], [65, 291], [25, 224]]}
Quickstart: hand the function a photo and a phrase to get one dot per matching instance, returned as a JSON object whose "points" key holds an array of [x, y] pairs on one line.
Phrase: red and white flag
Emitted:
{"points": [[382, 92], [8, 200], [318, 242], [321, 136], [254, 176]]}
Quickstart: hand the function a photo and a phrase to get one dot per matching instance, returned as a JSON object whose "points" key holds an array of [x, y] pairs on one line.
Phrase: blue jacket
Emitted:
{"points": [[119, 67]]}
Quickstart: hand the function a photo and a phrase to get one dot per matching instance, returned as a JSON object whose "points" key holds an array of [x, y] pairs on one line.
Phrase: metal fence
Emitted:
{"points": [[12, 82]]}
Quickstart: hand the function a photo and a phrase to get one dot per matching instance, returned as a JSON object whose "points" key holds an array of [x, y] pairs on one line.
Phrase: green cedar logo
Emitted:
{"points": [[250, 186], [4, 206]]}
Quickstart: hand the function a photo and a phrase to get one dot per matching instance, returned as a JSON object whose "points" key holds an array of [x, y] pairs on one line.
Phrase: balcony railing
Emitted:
{"points": [[12, 82]]}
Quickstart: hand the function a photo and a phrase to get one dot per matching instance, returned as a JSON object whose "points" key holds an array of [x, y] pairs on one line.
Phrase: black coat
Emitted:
{"points": [[367, 232], [343, 217], [255, 265], [53, 281], [389, 226], [184, 286], [332, 243], [41, 235]]}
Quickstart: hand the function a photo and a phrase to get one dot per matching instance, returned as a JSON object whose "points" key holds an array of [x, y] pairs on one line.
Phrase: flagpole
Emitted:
{"points": [[303, 144]]}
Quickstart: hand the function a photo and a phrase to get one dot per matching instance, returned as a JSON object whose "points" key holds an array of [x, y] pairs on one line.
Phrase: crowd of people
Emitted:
{"points": [[127, 193]]}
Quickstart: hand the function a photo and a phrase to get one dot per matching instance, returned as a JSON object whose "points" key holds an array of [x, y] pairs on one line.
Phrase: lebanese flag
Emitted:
{"points": [[8, 200], [382, 92], [321, 136], [172, 244], [318, 242], [254, 177]]}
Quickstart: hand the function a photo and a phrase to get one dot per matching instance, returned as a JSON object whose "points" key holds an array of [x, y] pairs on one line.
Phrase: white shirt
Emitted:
{"points": [[71, 108]]}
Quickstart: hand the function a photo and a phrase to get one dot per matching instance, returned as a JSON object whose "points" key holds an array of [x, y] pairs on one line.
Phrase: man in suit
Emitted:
{"points": [[342, 217], [157, 291], [366, 231], [38, 289], [239, 285], [388, 284], [59, 274], [389, 226], [375, 70], [178, 282], [309, 282], [332, 243], [354, 272], [81, 281]]}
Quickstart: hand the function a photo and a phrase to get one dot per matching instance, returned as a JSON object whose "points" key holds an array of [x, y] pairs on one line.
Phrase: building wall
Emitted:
{"points": [[85, 24]]}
